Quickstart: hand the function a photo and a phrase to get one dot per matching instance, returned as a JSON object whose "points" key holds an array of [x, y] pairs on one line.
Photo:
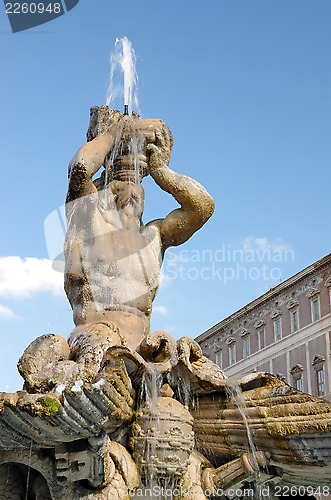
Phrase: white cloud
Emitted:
{"points": [[22, 278], [165, 280], [7, 313], [160, 309], [262, 244]]}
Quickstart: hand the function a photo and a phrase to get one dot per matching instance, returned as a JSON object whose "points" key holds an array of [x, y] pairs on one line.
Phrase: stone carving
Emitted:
{"points": [[168, 455], [117, 409], [113, 260]]}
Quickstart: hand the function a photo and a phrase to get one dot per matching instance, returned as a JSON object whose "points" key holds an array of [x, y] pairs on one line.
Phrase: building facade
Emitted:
{"points": [[286, 331]]}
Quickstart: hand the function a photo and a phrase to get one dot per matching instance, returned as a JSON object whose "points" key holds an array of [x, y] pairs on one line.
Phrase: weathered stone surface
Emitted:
{"points": [[116, 408], [292, 428], [284, 423], [162, 439], [112, 260], [72, 410]]}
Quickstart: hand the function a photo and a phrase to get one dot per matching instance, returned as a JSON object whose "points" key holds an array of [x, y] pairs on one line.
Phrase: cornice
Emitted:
{"points": [[296, 369], [259, 323], [312, 292], [328, 282], [266, 297], [292, 304], [275, 313], [318, 359]]}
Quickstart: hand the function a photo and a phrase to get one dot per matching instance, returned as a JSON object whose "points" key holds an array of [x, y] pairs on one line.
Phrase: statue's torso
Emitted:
{"points": [[122, 268], [117, 268]]}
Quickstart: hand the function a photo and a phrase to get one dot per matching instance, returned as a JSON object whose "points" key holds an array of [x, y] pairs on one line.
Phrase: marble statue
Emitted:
{"points": [[120, 412], [113, 260]]}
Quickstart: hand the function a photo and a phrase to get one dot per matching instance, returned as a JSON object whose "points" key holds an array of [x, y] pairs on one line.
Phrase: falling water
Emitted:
{"points": [[28, 473], [150, 387], [123, 85], [123, 75], [181, 382], [156, 485], [236, 395], [136, 147], [149, 393]]}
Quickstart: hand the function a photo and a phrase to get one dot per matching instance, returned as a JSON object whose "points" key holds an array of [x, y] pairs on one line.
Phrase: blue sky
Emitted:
{"points": [[245, 87]]}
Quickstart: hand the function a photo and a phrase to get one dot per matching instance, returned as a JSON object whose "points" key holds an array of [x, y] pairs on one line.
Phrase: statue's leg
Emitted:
{"points": [[51, 361], [88, 344], [46, 363]]}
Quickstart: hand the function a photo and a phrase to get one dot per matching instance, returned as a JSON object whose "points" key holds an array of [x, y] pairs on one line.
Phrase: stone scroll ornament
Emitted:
{"points": [[116, 410]]}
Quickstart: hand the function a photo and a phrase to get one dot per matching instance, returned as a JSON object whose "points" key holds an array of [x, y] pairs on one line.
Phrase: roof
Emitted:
{"points": [[267, 296]]}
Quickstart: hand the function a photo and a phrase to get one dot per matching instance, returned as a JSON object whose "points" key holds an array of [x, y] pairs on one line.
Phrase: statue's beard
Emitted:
{"points": [[120, 196]]}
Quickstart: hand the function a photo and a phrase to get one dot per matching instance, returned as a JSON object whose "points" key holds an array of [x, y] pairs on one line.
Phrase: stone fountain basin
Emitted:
{"points": [[292, 428]]}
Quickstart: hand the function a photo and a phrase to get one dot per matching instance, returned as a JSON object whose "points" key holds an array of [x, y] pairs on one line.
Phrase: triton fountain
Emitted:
{"points": [[118, 412]]}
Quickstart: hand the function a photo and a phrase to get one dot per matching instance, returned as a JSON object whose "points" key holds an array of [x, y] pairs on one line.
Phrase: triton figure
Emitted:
{"points": [[112, 259]]}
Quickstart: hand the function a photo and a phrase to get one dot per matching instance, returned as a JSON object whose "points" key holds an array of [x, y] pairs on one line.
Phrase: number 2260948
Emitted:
{"points": [[33, 8]]}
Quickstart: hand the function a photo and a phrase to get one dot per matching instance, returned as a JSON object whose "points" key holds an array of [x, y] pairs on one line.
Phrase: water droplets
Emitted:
{"points": [[236, 395], [123, 76]]}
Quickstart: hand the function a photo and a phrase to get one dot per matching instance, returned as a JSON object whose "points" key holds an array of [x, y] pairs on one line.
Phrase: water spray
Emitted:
{"points": [[123, 69]]}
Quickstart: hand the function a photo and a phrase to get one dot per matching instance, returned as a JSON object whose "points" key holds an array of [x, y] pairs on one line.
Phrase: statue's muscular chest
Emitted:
{"points": [[131, 252]]}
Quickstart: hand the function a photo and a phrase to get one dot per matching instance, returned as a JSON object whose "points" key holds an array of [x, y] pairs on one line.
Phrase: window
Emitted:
{"points": [[294, 320], [297, 377], [293, 307], [318, 364], [320, 380], [232, 354], [219, 358], [297, 383], [277, 329], [313, 295], [315, 309], [261, 338], [246, 346]]}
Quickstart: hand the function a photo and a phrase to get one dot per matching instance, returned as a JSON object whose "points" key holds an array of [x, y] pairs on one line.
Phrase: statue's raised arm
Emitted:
{"points": [[90, 158], [196, 203]]}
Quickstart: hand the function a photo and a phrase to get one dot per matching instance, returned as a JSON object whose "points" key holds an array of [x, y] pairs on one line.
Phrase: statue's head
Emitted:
{"points": [[127, 159]]}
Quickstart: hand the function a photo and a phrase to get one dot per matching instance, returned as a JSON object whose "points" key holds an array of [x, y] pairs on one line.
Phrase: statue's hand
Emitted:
{"points": [[102, 120], [158, 153]]}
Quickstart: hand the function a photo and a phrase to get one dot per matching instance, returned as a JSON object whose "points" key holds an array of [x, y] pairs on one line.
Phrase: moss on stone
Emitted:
{"points": [[51, 406]]}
